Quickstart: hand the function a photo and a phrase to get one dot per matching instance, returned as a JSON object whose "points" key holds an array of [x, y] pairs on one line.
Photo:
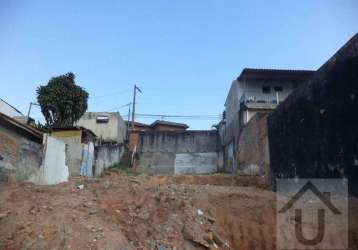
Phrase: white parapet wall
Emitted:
{"points": [[196, 163], [53, 169]]}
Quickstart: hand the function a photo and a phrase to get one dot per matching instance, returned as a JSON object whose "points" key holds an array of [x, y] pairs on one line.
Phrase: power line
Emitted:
{"points": [[111, 94], [120, 107]]}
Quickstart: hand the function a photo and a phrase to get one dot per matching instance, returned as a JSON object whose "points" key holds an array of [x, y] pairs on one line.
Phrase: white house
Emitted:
{"points": [[255, 90]]}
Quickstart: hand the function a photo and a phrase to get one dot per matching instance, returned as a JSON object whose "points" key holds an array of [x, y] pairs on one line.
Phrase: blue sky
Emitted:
{"points": [[183, 54]]}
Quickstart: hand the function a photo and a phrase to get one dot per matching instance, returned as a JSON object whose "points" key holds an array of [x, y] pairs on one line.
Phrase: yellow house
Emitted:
{"points": [[80, 144]]}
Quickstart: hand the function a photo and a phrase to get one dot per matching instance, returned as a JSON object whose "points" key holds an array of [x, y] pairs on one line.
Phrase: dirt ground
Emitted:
{"points": [[123, 212]]}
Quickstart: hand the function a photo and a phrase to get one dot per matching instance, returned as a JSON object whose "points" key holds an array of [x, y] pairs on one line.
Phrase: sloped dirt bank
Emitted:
{"points": [[121, 211]]}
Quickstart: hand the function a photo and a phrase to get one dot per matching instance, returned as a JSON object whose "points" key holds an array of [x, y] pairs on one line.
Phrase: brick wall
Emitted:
{"points": [[253, 148]]}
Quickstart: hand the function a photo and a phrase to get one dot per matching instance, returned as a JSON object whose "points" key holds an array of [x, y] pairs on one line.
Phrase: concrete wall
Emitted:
{"points": [[196, 163], [253, 148], [179, 142], [167, 152], [232, 104], [113, 130], [74, 148], [19, 156], [157, 162], [53, 169], [314, 132], [107, 155]]}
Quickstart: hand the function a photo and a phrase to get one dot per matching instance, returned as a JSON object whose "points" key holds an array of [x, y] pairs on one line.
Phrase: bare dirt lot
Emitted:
{"points": [[121, 211]]}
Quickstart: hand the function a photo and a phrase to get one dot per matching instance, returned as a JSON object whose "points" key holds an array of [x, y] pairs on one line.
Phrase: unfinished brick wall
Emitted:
{"points": [[253, 148]]}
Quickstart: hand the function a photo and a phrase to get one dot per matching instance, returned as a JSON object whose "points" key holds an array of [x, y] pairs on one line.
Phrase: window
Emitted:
{"points": [[278, 88], [266, 89], [102, 119]]}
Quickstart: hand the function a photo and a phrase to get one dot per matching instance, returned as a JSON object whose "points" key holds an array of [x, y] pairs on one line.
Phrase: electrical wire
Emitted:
{"points": [[111, 94]]}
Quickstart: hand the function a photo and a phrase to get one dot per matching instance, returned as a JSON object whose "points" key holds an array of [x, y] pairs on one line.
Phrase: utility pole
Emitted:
{"points": [[128, 119], [28, 112], [134, 98]]}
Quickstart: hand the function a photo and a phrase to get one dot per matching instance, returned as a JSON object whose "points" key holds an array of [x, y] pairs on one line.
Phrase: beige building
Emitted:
{"points": [[108, 126]]}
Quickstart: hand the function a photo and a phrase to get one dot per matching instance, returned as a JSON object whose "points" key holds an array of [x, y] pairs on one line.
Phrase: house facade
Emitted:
{"points": [[79, 149], [158, 125], [255, 90], [108, 126]]}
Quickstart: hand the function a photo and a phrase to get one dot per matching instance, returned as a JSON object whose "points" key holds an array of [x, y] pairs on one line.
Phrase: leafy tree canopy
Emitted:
{"points": [[62, 101]]}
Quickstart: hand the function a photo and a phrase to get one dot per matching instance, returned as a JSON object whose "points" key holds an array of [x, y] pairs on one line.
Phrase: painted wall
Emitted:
{"points": [[19, 156], [113, 130], [166, 152], [248, 114], [87, 163], [53, 169], [254, 87], [74, 149], [107, 155], [70, 135]]}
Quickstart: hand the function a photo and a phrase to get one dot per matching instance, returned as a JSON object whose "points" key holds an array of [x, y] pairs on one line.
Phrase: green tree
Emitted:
{"points": [[62, 101]]}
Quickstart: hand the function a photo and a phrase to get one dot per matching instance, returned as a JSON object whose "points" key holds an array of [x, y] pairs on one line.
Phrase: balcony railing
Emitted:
{"points": [[259, 97]]}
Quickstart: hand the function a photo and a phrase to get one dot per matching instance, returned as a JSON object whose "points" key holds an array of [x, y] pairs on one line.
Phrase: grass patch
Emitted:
{"points": [[119, 166], [122, 167]]}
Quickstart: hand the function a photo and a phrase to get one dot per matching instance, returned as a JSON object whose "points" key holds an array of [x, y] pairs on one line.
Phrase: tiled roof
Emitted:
{"points": [[174, 124], [137, 124]]}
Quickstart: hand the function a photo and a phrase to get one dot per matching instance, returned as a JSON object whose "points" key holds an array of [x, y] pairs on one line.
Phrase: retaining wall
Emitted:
{"points": [[172, 152]]}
